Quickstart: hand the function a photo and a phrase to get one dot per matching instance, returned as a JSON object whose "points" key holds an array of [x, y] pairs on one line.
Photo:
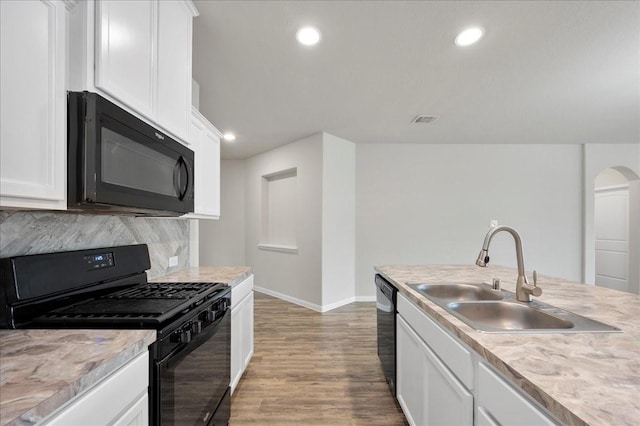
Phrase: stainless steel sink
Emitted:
{"points": [[492, 311], [457, 291], [507, 316]]}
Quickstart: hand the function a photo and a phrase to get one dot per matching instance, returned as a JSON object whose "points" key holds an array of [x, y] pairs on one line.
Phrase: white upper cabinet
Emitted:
{"points": [[138, 54], [174, 66], [125, 52], [32, 104], [205, 140]]}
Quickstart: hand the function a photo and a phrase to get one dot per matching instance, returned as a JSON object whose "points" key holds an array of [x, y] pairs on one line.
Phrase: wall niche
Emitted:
{"points": [[279, 197]]}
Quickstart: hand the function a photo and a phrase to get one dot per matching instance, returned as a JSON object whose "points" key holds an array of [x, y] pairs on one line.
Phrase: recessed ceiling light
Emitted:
{"points": [[308, 36], [229, 137], [469, 36]]}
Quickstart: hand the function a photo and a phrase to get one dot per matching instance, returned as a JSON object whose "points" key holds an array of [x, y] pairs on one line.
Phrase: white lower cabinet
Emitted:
{"points": [[409, 390], [427, 391], [120, 399], [241, 329], [483, 418], [440, 381], [498, 402]]}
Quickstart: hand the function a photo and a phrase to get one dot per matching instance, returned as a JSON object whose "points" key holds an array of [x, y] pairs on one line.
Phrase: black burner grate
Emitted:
{"points": [[163, 291], [147, 303]]}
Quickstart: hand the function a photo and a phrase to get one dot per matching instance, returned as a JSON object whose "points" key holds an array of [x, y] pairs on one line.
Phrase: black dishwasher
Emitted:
{"points": [[386, 295]]}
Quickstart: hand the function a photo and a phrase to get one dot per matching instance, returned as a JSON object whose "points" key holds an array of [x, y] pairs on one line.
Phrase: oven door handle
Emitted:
{"points": [[183, 350]]}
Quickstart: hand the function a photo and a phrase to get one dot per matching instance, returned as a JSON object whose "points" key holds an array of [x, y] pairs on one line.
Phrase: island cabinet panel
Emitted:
{"points": [[33, 104], [459, 358], [441, 381], [241, 329], [409, 389], [502, 403], [122, 398], [428, 392], [482, 418]]}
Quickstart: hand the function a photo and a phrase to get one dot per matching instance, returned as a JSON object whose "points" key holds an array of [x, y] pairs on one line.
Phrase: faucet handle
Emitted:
{"points": [[535, 291]]}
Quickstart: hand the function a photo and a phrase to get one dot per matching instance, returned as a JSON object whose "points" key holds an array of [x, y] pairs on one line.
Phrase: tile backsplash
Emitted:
{"points": [[35, 232]]}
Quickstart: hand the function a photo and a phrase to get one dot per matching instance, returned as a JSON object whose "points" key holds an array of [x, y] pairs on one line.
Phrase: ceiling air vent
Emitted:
{"points": [[424, 119]]}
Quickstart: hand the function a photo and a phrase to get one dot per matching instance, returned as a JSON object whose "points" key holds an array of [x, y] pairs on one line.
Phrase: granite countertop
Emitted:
{"points": [[41, 370], [230, 275], [583, 378]]}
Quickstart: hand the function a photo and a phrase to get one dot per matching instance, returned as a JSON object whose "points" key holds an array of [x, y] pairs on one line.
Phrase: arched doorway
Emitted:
{"points": [[617, 229]]}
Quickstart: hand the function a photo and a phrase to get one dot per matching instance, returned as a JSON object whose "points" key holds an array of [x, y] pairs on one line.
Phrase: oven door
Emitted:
{"points": [[191, 385]]}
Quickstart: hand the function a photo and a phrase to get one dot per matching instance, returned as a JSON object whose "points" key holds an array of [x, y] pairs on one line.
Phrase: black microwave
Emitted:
{"points": [[117, 163]]}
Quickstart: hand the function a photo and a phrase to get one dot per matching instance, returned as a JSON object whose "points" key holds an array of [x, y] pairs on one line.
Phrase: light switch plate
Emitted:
{"points": [[173, 261]]}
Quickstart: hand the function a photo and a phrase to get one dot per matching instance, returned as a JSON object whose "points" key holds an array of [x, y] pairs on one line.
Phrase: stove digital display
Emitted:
{"points": [[99, 261]]}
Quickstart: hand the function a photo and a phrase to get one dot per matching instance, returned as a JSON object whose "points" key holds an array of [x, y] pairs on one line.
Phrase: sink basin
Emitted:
{"points": [[507, 316], [493, 311], [457, 292]]}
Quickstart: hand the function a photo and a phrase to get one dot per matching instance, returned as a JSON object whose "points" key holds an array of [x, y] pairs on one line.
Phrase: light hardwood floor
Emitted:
{"points": [[312, 368]]}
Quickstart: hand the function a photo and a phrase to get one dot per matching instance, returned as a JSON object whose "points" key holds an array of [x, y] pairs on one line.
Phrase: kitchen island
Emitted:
{"points": [[584, 378]]}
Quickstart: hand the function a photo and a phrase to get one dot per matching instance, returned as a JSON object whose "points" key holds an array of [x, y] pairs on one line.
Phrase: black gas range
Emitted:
{"points": [[189, 367]]}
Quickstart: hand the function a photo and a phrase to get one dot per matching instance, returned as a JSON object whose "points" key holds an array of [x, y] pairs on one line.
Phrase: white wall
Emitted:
{"points": [[294, 275], [414, 204], [222, 242], [419, 204], [338, 221]]}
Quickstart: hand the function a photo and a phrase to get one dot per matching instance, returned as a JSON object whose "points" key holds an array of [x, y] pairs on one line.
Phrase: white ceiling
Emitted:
{"points": [[545, 71]]}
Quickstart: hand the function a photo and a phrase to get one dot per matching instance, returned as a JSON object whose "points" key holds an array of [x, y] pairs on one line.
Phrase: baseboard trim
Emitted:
{"points": [[312, 306], [334, 305], [288, 298]]}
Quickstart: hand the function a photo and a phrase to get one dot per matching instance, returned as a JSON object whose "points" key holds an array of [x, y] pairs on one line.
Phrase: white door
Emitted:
{"points": [[612, 237]]}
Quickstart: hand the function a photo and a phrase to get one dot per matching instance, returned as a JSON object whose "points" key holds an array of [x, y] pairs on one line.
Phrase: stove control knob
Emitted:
{"points": [[184, 336], [196, 327], [208, 316]]}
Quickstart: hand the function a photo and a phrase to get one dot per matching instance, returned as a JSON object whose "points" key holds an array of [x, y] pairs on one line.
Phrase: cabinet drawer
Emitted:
{"points": [[504, 403], [458, 358], [241, 290]]}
